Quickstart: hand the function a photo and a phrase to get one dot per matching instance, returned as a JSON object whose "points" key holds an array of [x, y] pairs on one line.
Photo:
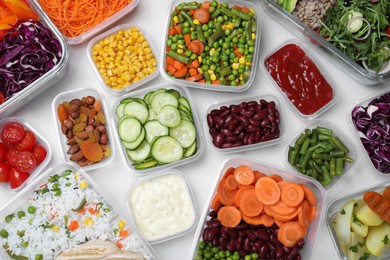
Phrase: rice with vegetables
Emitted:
{"points": [[64, 213]]}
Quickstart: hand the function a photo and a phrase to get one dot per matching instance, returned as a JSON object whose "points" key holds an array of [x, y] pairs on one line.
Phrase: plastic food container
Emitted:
{"points": [[20, 98], [171, 204], [267, 97], [40, 140], [258, 14], [199, 135], [363, 103], [352, 68], [98, 28], [348, 167], [333, 210], [62, 139], [326, 76], [312, 233], [25, 198], [130, 87]]}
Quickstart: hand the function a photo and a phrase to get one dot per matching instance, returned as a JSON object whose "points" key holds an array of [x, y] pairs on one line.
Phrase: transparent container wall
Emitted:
{"points": [[24, 196], [258, 15], [357, 134], [62, 139], [199, 135], [267, 97], [332, 211], [130, 87], [40, 140], [312, 233], [188, 192], [321, 69], [318, 43], [98, 28], [22, 97], [348, 167]]}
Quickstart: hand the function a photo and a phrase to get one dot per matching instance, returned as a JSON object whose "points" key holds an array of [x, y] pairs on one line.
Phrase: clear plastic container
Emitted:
{"points": [[352, 68], [98, 28], [26, 196], [320, 68], [363, 103], [40, 140], [20, 98], [348, 167], [162, 190], [267, 97], [97, 73], [258, 14], [332, 211], [312, 232], [62, 139], [199, 135]]}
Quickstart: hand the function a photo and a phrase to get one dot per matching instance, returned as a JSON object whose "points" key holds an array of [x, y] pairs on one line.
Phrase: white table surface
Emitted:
{"points": [[116, 178]]}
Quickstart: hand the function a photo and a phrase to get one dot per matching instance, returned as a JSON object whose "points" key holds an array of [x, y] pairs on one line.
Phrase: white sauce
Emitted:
{"points": [[162, 207]]}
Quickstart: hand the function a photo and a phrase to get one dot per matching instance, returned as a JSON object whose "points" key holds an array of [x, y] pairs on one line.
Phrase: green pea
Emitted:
{"points": [[207, 255], [228, 32], [211, 9], [207, 48], [214, 4], [242, 40], [215, 59], [180, 41], [180, 36], [9, 218], [193, 36], [225, 5], [224, 57], [231, 77], [186, 25], [232, 55], [220, 19], [225, 17], [188, 53], [38, 257], [175, 38], [213, 67], [193, 56], [250, 43], [21, 214], [203, 54], [235, 73], [255, 256], [235, 40], [205, 67], [251, 49], [211, 24], [3, 233], [186, 30], [225, 63], [57, 193], [215, 44], [228, 51], [241, 50], [174, 46], [240, 71], [247, 257], [169, 42], [205, 27], [25, 243], [206, 34]]}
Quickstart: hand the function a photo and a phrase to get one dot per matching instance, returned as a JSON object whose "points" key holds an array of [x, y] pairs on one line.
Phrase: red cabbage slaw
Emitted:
{"points": [[26, 53], [373, 125]]}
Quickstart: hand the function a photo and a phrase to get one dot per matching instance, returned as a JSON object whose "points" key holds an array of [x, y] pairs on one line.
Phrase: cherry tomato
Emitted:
{"points": [[5, 169], [3, 152], [26, 161], [27, 143], [2, 96], [17, 177], [12, 133], [12, 156], [39, 153]]}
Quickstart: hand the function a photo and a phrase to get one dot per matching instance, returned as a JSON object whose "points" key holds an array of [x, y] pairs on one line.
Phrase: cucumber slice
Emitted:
{"points": [[140, 154], [174, 92], [137, 142], [145, 165], [190, 150], [127, 100], [162, 99], [183, 101], [166, 149], [148, 96], [154, 128], [152, 115], [119, 110], [169, 116], [185, 113], [129, 128], [184, 133], [136, 110]]}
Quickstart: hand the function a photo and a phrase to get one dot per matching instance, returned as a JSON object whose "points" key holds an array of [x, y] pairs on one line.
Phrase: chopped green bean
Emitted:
{"points": [[339, 166], [340, 144], [226, 11], [337, 153], [241, 14], [304, 146], [178, 57], [332, 166], [324, 131]]}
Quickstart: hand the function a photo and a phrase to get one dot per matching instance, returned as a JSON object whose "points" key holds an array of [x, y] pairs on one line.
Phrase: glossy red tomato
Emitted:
{"points": [[17, 177], [26, 161], [3, 152], [12, 133], [27, 143], [12, 156], [4, 171], [40, 153]]}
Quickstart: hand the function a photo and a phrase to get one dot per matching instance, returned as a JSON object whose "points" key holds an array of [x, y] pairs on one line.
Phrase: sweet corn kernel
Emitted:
{"points": [[175, 19], [253, 36], [83, 184], [210, 72], [241, 60], [121, 224], [200, 71], [236, 66], [88, 222], [196, 21], [200, 59], [248, 63], [180, 51], [251, 10], [55, 228], [191, 29], [240, 78], [212, 51], [76, 176], [98, 214], [213, 77]]}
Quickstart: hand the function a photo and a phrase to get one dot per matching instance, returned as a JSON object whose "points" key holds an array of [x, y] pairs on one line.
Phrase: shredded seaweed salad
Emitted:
{"points": [[360, 29]]}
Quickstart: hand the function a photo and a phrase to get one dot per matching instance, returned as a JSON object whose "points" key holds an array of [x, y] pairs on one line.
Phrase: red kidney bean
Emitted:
{"points": [[213, 132], [213, 223], [222, 243], [252, 128], [242, 226], [213, 214], [255, 247], [226, 132], [247, 112], [271, 108], [246, 244], [243, 105], [237, 144], [252, 103], [264, 248], [215, 112], [210, 121], [205, 234], [223, 108], [231, 232], [294, 252], [254, 122], [225, 113], [261, 233], [250, 235], [218, 120], [235, 123], [218, 140], [257, 136], [264, 122], [242, 232], [226, 145], [243, 120], [260, 115], [231, 245], [232, 139], [213, 232], [238, 130], [251, 138], [238, 243], [263, 102], [215, 241]]}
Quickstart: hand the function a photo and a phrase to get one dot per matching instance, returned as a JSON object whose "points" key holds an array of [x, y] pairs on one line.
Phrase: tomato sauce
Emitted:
{"points": [[299, 79]]}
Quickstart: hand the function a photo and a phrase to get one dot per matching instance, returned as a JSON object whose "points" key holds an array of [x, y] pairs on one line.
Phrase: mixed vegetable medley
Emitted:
{"points": [[212, 43]]}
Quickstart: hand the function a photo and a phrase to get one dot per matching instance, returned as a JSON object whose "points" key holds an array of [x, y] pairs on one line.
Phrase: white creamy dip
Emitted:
{"points": [[162, 207]]}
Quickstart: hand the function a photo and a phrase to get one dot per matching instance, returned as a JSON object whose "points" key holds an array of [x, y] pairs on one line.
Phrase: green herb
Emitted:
{"points": [[342, 212], [354, 248], [373, 50], [385, 240], [365, 256], [356, 220]]}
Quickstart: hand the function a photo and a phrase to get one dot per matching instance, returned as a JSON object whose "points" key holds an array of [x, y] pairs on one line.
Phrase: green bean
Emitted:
{"points": [[340, 144], [241, 14], [188, 18], [237, 22], [248, 30], [319, 150], [332, 166], [301, 139], [347, 159], [319, 162], [336, 153], [224, 71], [304, 146], [226, 11], [189, 7], [180, 17], [326, 175], [314, 138], [339, 166], [178, 57], [323, 137], [317, 167], [215, 14], [306, 159], [324, 131], [321, 156], [206, 76], [171, 22], [328, 147], [216, 35], [292, 155]]}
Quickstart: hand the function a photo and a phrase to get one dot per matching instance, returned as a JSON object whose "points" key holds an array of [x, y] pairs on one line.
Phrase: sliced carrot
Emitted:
{"points": [[192, 11], [202, 15], [313, 211], [193, 72], [228, 172], [123, 233], [258, 175], [216, 204], [249, 204], [196, 47], [245, 9], [309, 195], [92, 150], [178, 65], [181, 73], [10, 19], [119, 245], [267, 190], [187, 38], [206, 5], [225, 196], [171, 69], [178, 29], [244, 175], [167, 48], [195, 63], [266, 220], [386, 192], [286, 218], [292, 194], [172, 31], [237, 7], [238, 196], [169, 60], [229, 216], [216, 82], [195, 78], [268, 210], [276, 177], [282, 184], [231, 183], [304, 213], [256, 220], [290, 232], [202, 81], [278, 222], [282, 208], [237, 53]]}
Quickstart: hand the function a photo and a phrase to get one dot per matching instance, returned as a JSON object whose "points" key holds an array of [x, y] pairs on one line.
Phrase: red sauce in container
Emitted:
{"points": [[299, 78]]}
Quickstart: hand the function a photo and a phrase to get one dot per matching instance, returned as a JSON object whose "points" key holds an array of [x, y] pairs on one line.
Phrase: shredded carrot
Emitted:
{"points": [[76, 17]]}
